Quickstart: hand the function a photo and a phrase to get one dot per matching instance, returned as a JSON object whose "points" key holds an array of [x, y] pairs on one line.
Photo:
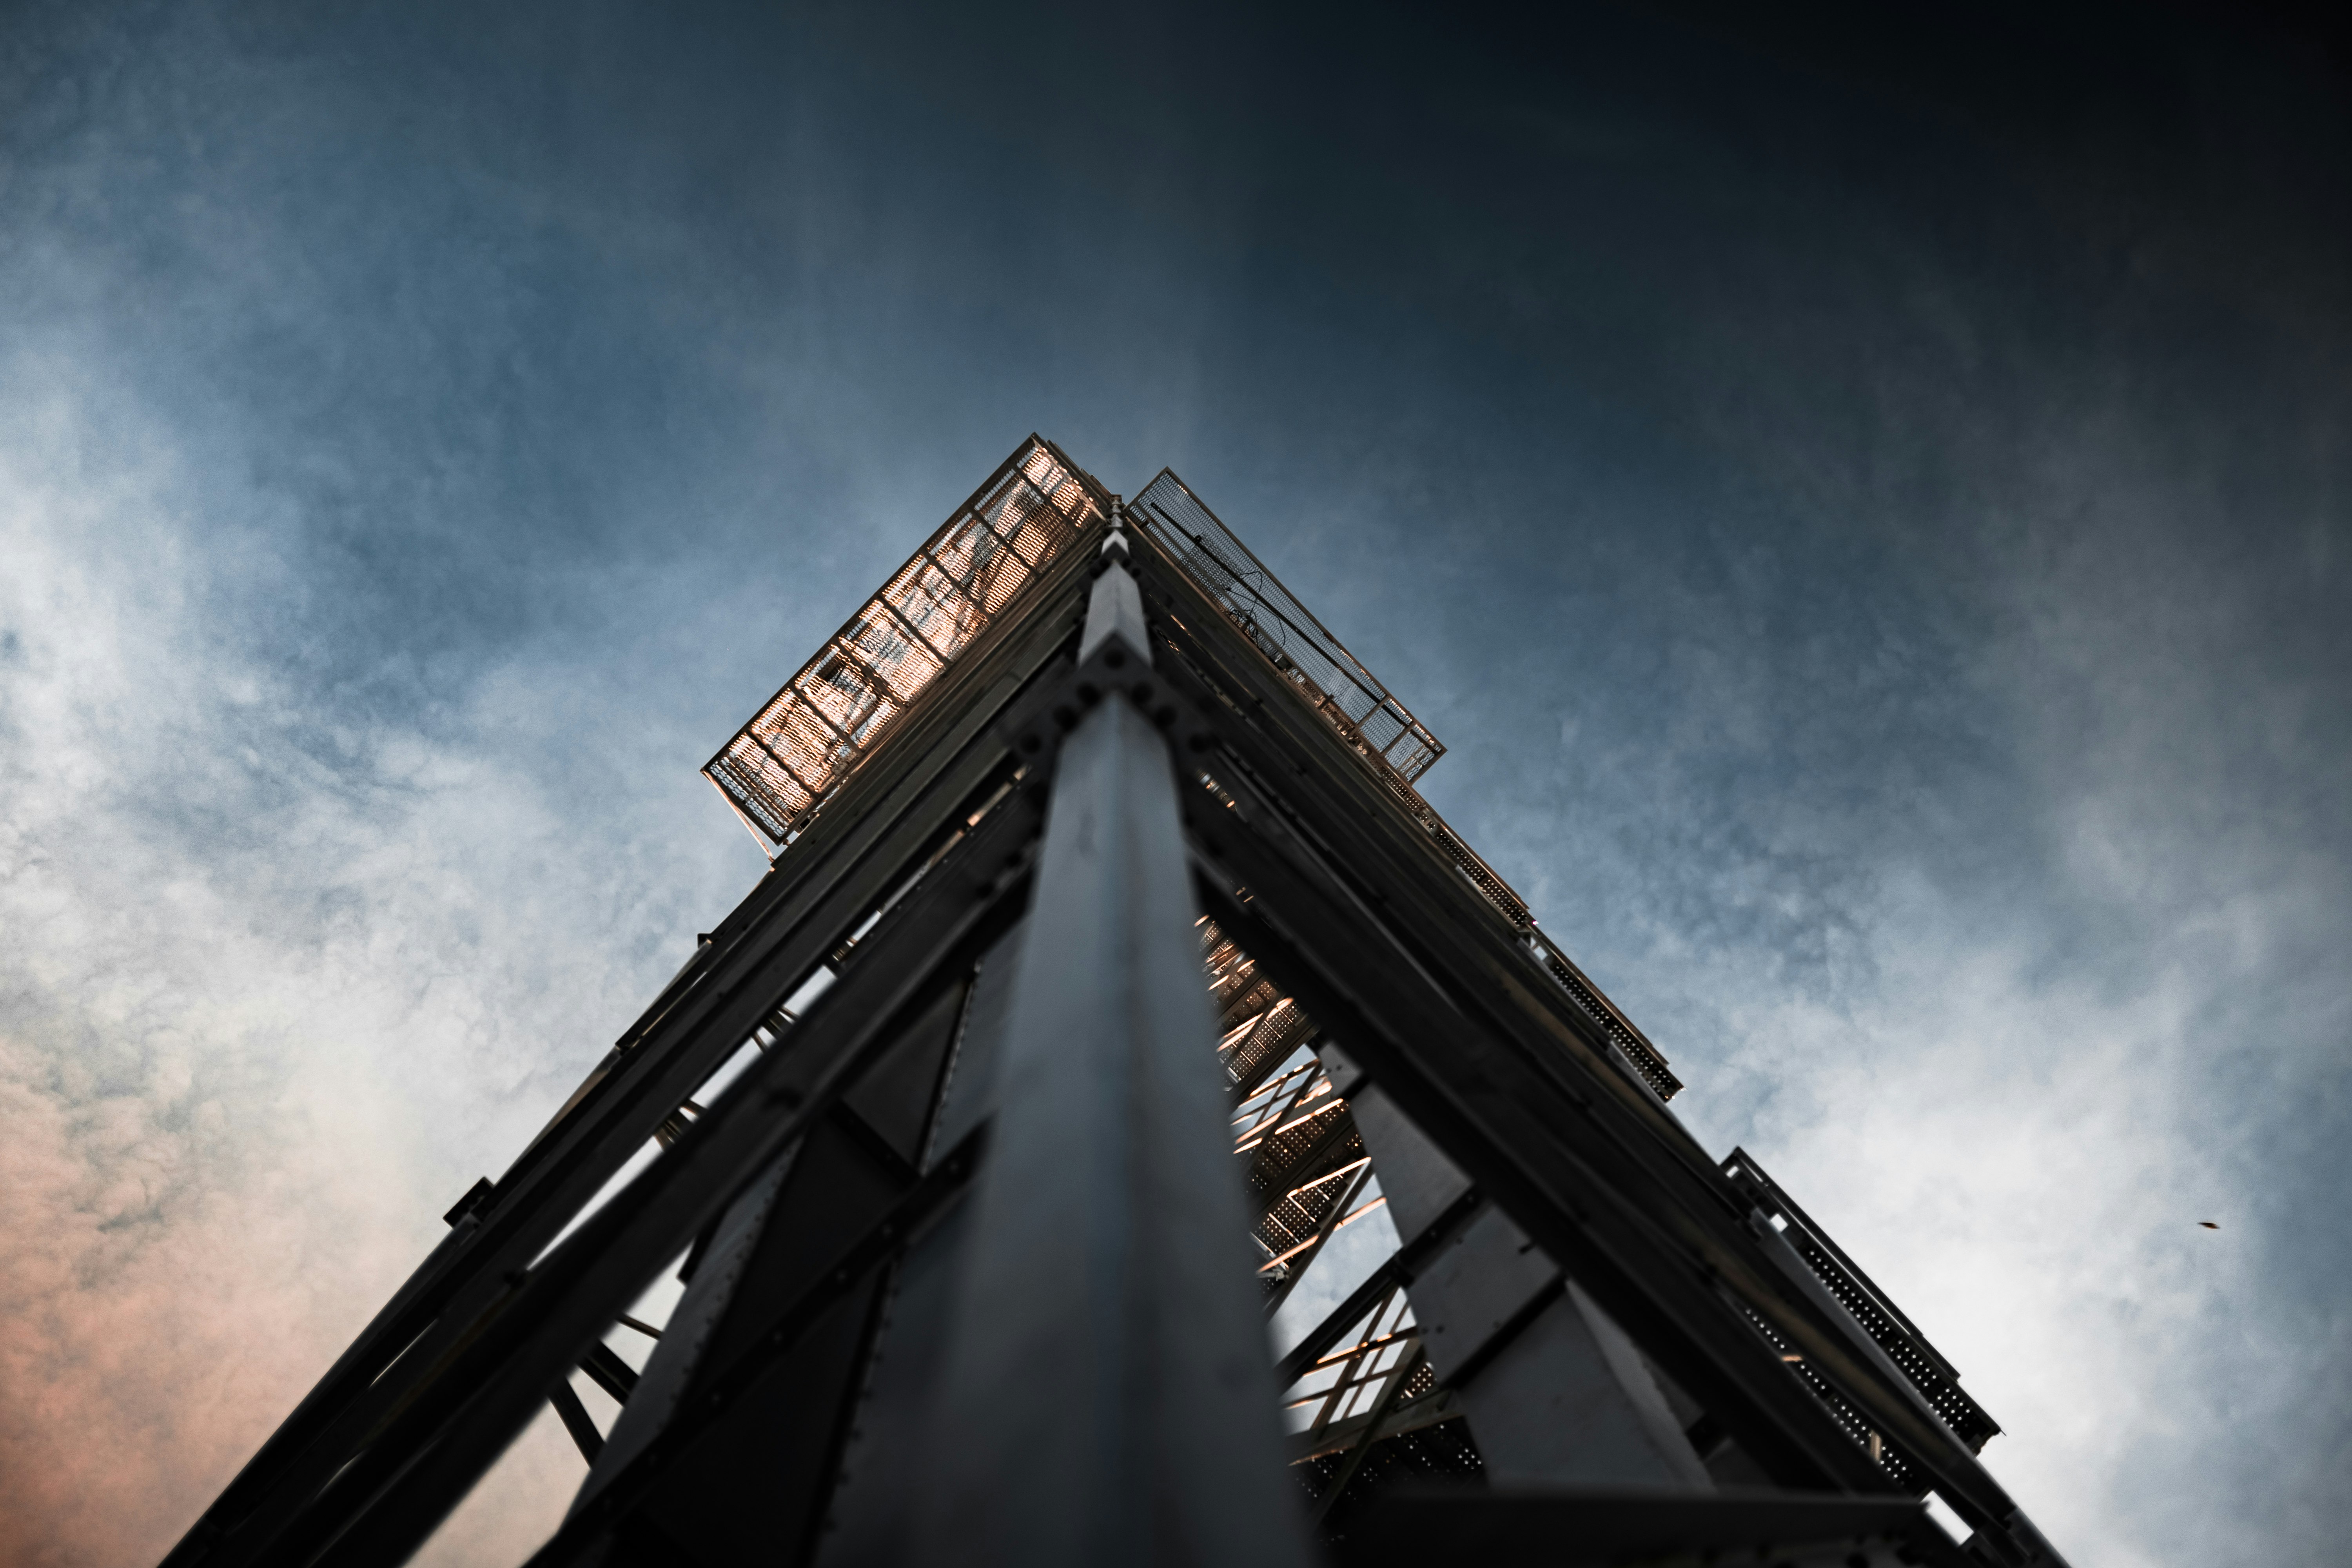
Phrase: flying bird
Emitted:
{"points": [[2209, 1225]]}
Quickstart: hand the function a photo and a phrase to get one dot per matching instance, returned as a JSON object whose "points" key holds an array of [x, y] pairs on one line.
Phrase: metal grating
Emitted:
{"points": [[1258, 1027], [1307, 1164], [1330, 678], [1341, 1394], [1848, 1416], [1301, 1199], [780, 767], [1468, 861]]}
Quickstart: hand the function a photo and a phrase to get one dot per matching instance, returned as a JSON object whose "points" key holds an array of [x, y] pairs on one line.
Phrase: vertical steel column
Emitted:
{"points": [[1107, 1395]]}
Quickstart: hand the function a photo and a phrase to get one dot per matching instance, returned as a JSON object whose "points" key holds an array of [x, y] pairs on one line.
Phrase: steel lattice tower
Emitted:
{"points": [[1107, 958]]}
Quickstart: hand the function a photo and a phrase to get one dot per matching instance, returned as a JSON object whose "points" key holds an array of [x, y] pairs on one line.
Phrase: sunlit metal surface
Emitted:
{"points": [[796, 750]]}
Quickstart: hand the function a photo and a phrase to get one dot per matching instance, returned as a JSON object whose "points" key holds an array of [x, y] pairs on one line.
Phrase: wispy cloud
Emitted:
{"points": [[275, 979]]}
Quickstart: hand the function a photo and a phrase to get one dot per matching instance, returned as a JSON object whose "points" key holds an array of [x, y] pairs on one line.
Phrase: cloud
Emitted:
{"points": [[2016, 965], [279, 981]]}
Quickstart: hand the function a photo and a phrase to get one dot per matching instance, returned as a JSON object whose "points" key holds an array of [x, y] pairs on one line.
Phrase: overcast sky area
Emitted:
{"points": [[1869, 512]]}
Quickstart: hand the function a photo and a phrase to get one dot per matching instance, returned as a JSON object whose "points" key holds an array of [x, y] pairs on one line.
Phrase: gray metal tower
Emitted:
{"points": [[1108, 966]]}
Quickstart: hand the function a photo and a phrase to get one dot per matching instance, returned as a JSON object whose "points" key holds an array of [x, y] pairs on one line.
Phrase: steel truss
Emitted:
{"points": [[961, 1237]]}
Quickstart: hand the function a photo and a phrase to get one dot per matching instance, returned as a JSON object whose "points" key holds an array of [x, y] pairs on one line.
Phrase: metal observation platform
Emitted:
{"points": [[1107, 967]]}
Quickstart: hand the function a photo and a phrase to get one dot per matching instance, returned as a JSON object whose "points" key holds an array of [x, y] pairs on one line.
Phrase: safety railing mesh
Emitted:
{"points": [[780, 767], [1373, 723], [1325, 673]]}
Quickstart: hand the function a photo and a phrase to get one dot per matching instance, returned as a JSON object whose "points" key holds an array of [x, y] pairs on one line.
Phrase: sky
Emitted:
{"points": [[1866, 505]]}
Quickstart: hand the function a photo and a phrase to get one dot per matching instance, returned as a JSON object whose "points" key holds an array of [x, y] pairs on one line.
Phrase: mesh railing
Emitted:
{"points": [[796, 750], [1374, 723], [1327, 673]]}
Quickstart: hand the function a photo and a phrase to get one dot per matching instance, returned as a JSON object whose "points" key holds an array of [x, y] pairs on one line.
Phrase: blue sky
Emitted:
{"points": [[1867, 511]]}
